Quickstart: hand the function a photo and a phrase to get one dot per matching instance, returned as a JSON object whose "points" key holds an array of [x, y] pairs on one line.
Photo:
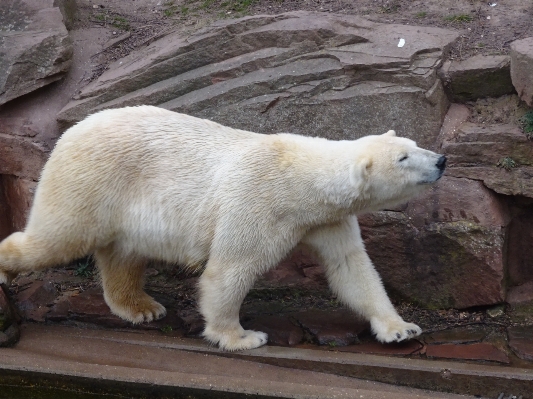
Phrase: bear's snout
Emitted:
{"points": [[441, 163]]}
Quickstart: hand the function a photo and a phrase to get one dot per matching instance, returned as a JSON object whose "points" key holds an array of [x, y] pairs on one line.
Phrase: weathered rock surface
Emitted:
{"points": [[521, 294], [35, 48], [445, 250], [477, 77], [9, 330], [281, 330], [521, 341], [522, 68], [500, 156], [316, 74], [406, 348], [520, 253], [334, 328], [482, 351], [301, 269]]}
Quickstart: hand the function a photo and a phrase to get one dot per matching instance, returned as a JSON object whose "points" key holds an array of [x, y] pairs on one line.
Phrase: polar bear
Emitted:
{"points": [[139, 183]]}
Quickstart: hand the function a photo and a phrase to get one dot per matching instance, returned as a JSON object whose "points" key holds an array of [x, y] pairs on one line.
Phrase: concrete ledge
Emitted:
{"points": [[67, 361]]}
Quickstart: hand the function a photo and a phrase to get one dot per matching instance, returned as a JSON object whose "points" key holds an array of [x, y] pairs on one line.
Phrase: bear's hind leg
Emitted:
{"points": [[123, 280], [221, 295], [26, 251]]}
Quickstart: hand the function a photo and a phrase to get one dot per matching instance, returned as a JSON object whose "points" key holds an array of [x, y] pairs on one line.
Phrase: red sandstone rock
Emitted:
{"points": [[33, 301], [522, 68], [460, 335], [520, 254], [36, 48], [396, 349], [477, 77], [334, 328], [300, 269], [280, 329], [446, 250], [520, 294], [478, 152], [483, 352], [521, 341]]}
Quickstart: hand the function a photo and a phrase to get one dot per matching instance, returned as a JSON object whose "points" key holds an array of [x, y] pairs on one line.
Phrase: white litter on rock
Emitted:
{"points": [[401, 43], [493, 4]]}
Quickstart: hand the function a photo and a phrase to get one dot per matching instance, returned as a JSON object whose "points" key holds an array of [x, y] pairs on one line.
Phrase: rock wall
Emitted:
{"points": [[462, 244]]}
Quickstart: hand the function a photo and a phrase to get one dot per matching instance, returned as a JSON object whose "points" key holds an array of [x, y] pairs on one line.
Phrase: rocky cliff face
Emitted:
{"points": [[463, 244]]}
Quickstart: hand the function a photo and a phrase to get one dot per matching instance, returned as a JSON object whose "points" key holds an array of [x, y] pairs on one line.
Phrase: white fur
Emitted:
{"points": [[142, 183]]}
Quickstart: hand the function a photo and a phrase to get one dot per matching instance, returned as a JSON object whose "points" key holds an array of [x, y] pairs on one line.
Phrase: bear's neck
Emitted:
{"points": [[320, 169]]}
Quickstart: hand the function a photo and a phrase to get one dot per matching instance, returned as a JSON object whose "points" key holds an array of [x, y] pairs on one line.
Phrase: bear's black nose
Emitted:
{"points": [[441, 163]]}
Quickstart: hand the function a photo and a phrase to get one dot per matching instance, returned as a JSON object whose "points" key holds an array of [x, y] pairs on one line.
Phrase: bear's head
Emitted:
{"points": [[389, 170]]}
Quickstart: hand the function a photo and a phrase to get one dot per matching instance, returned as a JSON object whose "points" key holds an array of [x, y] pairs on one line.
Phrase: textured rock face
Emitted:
{"points": [[522, 68], [316, 74], [35, 48], [446, 248], [477, 77], [520, 253], [500, 156]]}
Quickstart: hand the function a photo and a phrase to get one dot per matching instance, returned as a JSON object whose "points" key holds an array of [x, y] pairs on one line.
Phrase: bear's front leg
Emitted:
{"points": [[356, 282], [222, 290]]}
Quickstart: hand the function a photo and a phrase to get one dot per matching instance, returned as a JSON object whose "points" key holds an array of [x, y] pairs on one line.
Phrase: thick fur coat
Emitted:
{"points": [[140, 183]]}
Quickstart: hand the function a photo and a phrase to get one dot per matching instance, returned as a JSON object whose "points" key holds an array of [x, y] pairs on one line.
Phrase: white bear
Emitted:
{"points": [[142, 183]]}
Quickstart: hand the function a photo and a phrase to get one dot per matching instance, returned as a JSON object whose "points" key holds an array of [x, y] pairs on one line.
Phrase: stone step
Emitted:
{"points": [[153, 365]]}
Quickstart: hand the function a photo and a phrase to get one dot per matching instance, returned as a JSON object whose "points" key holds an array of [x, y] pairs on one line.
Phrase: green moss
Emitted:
{"points": [[421, 14], [507, 163], [526, 123], [459, 18]]}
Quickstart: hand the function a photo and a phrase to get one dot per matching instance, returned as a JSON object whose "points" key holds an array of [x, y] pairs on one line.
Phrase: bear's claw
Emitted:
{"points": [[147, 310]]}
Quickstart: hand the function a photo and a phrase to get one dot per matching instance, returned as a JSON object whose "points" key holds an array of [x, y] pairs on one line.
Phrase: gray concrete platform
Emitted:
{"points": [[80, 363]]}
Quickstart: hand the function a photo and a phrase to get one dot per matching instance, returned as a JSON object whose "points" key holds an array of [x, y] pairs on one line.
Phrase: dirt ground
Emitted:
{"points": [[486, 27]]}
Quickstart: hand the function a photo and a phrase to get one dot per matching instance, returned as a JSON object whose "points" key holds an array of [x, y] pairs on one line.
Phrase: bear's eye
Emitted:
{"points": [[403, 158]]}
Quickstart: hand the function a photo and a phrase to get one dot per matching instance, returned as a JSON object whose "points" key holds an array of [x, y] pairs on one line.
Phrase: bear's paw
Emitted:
{"points": [[139, 310], [236, 340], [394, 330]]}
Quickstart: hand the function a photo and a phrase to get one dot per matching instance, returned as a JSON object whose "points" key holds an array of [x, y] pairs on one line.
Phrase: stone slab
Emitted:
{"points": [[477, 77], [479, 351], [395, 349], [59, 359], [338, 76], [520, 294], [35, 48], [499, 155], [522, 68], [446, 250], [521, 341]]}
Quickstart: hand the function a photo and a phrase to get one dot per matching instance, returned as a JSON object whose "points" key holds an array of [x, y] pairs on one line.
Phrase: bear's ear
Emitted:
{"points": [[390, 133], [359, 172]]}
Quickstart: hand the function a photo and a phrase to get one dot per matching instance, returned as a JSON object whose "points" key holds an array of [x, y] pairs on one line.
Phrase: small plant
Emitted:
{"points": [[389, 8], [166, 329], [526, 123], [459, 18], [421, 14], [207, 3], [120, 23], [240, 5], [84, 268], [507, 163]]}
